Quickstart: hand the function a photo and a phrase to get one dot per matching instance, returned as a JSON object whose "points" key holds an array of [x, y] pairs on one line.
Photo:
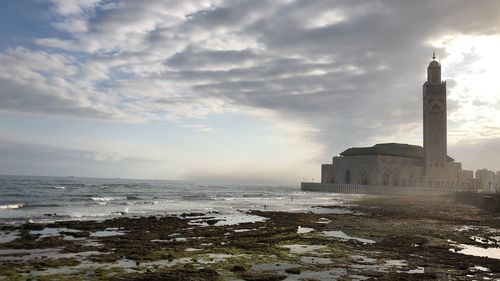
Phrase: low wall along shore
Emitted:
{"points": [[373, 189]]}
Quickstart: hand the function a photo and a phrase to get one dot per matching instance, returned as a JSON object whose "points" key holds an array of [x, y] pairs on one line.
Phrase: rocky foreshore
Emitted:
{"points": [[376, 238]]}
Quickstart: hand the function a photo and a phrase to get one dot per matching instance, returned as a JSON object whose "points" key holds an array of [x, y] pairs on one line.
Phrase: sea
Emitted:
{"points": [[46, 199]]}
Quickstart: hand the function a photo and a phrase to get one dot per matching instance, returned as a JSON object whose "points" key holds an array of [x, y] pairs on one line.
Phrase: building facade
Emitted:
{"points": [[488, 181], [396, 164]]}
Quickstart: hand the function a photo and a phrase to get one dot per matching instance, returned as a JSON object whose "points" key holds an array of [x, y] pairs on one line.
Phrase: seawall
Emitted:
{"points": [[488, 202], [373, 189]]}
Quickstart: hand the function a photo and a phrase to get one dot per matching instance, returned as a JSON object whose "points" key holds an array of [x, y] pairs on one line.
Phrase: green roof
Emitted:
{"points": [[390, 149]]}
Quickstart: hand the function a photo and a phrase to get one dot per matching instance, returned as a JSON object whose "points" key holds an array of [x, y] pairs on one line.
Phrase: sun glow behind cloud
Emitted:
{"points": [[473, 63]]}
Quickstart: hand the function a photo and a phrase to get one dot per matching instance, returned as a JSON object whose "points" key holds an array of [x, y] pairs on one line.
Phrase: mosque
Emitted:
{"points": [[402, 166]]}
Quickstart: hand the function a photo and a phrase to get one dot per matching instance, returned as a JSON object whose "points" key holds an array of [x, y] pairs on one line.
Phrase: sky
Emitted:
{"points": [[241, 90]]}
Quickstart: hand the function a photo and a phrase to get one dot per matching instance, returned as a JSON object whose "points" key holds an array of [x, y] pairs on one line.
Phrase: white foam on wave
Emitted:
{"points": [[154, 202], [59, 187], [11, 206], [107, 199], [248, 198]]}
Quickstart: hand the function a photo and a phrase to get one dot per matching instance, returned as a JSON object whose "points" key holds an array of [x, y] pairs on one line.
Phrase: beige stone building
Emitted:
{"points": [[488, 181], [395, 164]]}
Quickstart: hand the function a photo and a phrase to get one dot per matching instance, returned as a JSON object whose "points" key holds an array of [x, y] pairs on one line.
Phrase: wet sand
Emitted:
{"points": [[376, 238]]}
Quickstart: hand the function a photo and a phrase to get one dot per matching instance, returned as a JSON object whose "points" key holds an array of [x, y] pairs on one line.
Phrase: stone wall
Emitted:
{"points": [[373, 189]]}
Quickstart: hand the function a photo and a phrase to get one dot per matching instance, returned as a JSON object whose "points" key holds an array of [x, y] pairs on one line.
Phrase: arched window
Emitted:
{"points": [[385, 177], [435, 110], [395, 177], [347, 176]]}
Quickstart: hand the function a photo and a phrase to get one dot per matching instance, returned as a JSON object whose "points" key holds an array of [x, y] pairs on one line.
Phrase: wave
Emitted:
{"points": [[108, 199], [140, 197], [43, 205], [143, 203], [155, 202], [108, 214], [11, 206], [248, 198], [194, 197], [76, 184], [59, 187]]}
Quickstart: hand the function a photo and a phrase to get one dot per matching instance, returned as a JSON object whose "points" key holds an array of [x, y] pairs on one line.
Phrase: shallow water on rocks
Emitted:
{"points": [[330, 210], [6, 237], [324, 221], [481, 268], [301, 230], [331, 274], [316, 260], [299, 249], [343, 236], [418, 270], [482, 240], [396, 263], [107, 232], [492, 252], [226, 219], [272, 266], [363, 259], [30, 254]]}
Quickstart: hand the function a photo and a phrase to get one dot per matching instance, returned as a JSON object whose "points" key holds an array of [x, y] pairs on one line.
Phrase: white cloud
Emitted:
{"points": [[326, 74], [73, 7], [327, 18]]}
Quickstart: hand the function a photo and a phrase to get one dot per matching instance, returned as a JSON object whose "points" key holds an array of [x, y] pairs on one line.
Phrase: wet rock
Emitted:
{"points": [[192, 215], [79, 234], [33, 226], [405, 276], [107, 258], [175, 275], [48, 262], [404, 241], [415, 233], [212, 222], [263, 276], [238, 268], [293, 270]]}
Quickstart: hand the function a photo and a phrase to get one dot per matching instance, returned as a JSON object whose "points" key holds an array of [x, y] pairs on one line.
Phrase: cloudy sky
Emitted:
{"points": [[258, 91]]}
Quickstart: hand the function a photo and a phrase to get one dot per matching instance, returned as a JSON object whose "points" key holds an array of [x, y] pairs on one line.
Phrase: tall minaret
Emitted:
{"points": [[435, 146]]}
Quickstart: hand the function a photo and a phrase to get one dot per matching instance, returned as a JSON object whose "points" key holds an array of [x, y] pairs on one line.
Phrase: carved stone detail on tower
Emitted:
{"points": [[435, 131]]}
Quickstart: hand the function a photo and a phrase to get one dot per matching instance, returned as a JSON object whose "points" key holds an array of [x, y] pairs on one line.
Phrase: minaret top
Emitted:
{"points": [[434, 63], [434, 70]]}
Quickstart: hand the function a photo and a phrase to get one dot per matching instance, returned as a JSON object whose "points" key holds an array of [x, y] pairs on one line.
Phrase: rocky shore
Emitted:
{"points": [[376, 238]]}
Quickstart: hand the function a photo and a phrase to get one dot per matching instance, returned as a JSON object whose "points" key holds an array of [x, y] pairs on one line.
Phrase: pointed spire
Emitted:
{"points": [[433, 55]]}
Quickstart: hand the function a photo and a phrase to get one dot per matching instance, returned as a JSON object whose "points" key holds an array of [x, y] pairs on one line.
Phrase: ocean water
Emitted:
{"points": [[45, 199]]}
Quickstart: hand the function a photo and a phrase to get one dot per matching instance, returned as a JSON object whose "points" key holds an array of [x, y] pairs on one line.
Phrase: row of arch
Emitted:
{"points": [[393, 178], [388, 178]]}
